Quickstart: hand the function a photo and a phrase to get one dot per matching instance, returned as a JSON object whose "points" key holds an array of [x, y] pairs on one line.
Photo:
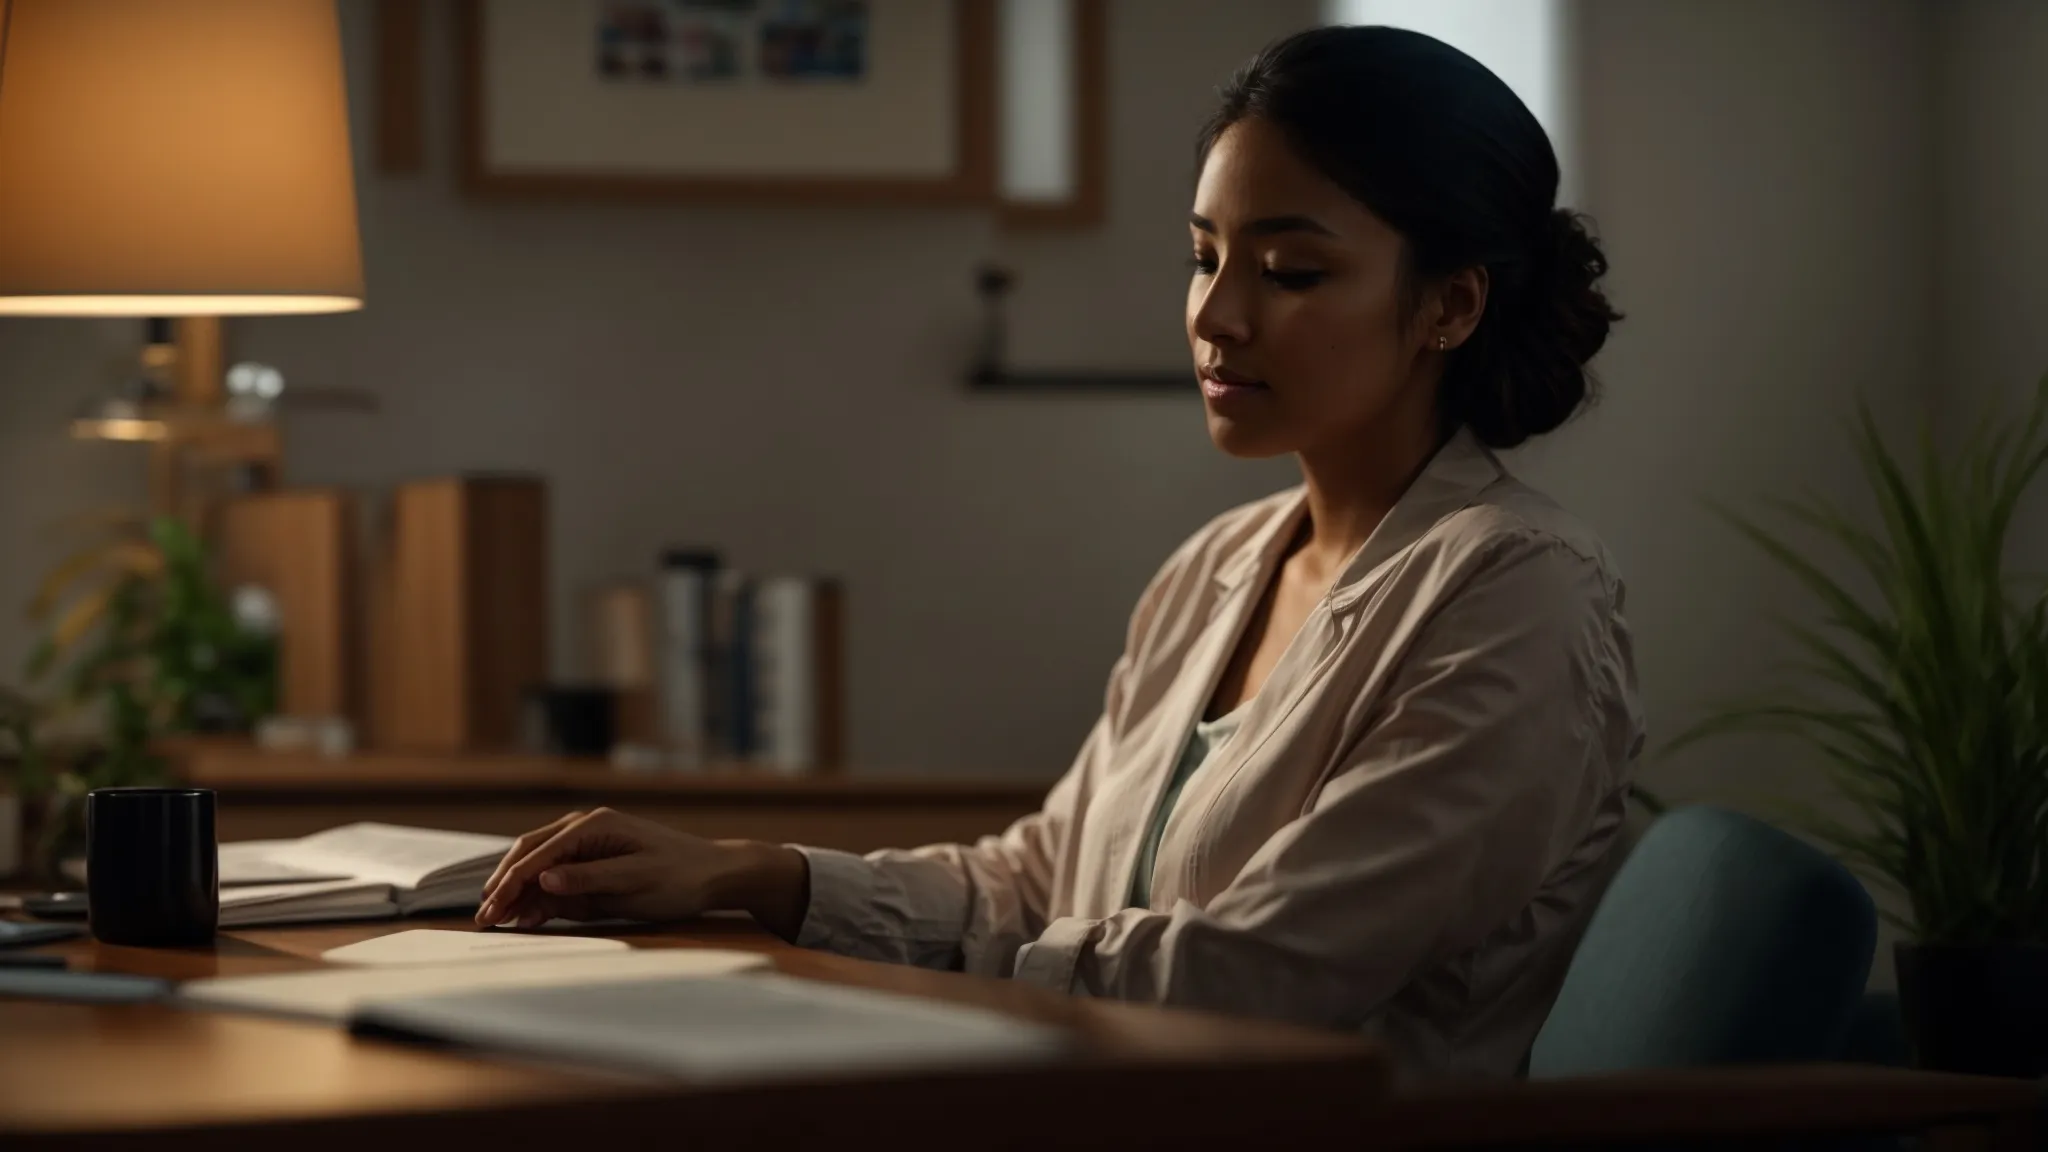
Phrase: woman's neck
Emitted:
{"points": [[1350, 490]]}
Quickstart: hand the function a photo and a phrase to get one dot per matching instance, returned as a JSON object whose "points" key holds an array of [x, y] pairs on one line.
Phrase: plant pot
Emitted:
{"points": [[1980, 1009]]}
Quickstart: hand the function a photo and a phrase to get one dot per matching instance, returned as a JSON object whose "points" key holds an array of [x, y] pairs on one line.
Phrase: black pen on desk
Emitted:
{"points": [[32, 960]]}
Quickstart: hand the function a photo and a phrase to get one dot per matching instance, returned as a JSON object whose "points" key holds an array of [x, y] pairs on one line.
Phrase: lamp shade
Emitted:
{"points": [[174, 158]]}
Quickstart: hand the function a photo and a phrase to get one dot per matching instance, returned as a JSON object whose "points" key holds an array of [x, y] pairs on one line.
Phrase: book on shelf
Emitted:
{"points": [[796, 633], [625, 654], [354, 872], [752, 666], [729, 677], [684, 648]]}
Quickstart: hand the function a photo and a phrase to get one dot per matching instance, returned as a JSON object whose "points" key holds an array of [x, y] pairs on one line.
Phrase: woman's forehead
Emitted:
{"points": [[1252, 175]]}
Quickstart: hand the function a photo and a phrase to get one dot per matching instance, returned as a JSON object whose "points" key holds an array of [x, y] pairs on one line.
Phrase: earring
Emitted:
{"points": [[1443, 342]]}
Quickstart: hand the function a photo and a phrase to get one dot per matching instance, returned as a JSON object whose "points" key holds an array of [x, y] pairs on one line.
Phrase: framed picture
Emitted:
{"points": [[1053, 63], [791, 100]]}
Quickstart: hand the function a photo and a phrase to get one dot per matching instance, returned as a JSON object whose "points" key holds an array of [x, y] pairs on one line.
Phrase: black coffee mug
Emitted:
{"points": [[152, 866], [573, 719]]}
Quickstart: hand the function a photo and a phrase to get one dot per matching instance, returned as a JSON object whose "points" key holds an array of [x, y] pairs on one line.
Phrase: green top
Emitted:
{"points": [[1208, 736]]}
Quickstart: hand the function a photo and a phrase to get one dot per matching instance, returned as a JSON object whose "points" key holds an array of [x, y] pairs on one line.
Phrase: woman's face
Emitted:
{"points": [[1294, 307]]}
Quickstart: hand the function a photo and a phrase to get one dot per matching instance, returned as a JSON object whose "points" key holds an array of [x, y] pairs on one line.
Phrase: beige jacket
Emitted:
{"points": [[1405, 835]]}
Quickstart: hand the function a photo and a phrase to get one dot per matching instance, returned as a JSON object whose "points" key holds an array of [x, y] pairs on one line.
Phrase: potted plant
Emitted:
{"points": [[1923, 689], [138, 636]]}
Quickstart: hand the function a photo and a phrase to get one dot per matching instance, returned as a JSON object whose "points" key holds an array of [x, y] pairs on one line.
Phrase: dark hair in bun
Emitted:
{"points": [[1445, 153]]}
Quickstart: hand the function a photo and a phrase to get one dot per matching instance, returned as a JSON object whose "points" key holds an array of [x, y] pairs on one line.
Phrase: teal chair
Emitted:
{"points": [[1720, 940]]}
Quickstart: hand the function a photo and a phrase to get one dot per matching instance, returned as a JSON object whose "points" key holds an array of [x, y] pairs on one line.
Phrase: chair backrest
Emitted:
{"points": [[1720, 941]]}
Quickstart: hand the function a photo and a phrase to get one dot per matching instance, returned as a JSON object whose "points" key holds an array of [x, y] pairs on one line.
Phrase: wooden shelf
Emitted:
{"points": [[266, 795], [232, 766]]}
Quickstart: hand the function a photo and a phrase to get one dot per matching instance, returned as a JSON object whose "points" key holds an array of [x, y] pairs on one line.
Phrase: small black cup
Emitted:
{"points": [[573, 719], [152, 866]]}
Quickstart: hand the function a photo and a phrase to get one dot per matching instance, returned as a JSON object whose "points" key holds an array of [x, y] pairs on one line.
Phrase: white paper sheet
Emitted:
{"points": [[333, 993], [441, 946]]}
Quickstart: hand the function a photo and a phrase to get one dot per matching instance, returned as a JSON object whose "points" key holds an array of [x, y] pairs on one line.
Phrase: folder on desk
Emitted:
{"points": [[337, 994], [718, 1028]]}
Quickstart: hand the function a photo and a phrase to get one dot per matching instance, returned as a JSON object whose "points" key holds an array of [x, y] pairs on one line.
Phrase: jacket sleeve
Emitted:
{"points": [[956, 906], [1466, 788], [959, 906]]}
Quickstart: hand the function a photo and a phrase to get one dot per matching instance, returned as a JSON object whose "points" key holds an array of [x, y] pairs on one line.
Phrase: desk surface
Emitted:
{"points": [[74, 1075], [78, 1069]]}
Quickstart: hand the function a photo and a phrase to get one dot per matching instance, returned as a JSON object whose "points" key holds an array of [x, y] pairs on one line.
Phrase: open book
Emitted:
{"points": [[354, 872]]}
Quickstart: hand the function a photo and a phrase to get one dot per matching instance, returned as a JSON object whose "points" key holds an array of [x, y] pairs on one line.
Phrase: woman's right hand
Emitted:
{"points": [[606, 864]]}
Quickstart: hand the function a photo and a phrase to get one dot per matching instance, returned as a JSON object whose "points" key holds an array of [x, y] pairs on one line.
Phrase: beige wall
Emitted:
{"points": [[785, 383], [47, 369]]}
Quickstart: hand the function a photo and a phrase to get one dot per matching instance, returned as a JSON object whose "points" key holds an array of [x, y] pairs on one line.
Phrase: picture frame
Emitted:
{"points": [[543, 117], [1084, 201]]}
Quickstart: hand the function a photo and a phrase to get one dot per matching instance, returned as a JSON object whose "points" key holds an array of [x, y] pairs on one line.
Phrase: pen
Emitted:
{"points": [[31, 960]]}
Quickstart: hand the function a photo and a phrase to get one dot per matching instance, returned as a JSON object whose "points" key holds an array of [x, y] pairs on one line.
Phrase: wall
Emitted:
{"points": [[50, 486], [1758, 173], [1992, 232], [784, 384]]}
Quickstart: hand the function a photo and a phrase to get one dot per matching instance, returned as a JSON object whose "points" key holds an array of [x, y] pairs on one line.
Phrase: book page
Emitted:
{"points": [[252, 894], [402, 857], [255, 862]]}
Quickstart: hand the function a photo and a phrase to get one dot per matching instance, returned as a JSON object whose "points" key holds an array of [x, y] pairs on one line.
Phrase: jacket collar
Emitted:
{"points": [[1459, 471]]}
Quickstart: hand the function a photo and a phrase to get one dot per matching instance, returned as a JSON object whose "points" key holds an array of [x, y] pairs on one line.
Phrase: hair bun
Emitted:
{"points": [[1524, 371], [1580, 309]]}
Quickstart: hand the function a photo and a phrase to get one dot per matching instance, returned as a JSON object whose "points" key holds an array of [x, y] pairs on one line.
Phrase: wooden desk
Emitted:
{"points": [[154, 1076], [270, 795], [116, 1076]]}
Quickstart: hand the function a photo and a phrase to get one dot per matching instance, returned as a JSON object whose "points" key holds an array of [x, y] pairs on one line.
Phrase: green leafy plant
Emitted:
{"points": [[138, 638], [139, 629], [207, 671], [1926, 697]]}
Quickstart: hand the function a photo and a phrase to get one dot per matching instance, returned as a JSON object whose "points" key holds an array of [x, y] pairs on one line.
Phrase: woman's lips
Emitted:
{"points": [[1219, 384]]}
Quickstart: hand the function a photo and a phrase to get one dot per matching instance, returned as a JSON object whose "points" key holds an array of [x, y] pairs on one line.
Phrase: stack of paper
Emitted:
{"points": [[354, 872]]}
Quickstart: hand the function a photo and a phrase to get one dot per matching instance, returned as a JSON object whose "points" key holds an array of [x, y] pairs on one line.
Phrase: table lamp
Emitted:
{"points": [[174, 158]]}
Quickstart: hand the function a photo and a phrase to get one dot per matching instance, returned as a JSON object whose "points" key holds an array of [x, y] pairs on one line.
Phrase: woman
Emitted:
{"points": [[1370, 738]]}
